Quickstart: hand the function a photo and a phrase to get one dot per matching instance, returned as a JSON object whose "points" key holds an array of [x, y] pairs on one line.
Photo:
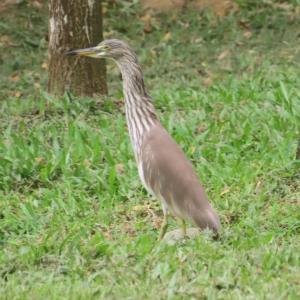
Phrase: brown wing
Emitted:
{"points": [[171, 177]]}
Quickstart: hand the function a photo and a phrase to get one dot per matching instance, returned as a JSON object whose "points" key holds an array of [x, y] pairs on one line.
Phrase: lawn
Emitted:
{"points": [[75, 222]]}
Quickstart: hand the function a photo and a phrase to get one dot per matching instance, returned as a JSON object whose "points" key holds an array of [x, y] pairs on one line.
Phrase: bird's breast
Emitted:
{"points": [[142, 177]]}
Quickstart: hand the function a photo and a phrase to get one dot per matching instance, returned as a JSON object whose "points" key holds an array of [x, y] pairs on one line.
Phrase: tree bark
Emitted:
{"points": [[75, 24]]}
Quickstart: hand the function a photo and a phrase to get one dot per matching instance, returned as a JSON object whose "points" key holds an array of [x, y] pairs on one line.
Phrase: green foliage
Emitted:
{"points": [[75, 222]]}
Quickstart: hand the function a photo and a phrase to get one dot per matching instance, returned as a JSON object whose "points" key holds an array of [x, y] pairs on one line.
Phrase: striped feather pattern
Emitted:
{"points": [[140, 112]]}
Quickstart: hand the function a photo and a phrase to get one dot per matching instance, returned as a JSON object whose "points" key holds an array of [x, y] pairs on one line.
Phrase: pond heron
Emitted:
{"points": [[163, 168]]}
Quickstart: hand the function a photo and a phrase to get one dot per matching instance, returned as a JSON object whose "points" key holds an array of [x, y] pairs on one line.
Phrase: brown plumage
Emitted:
{"points": [[162, 165], [170, 176]]}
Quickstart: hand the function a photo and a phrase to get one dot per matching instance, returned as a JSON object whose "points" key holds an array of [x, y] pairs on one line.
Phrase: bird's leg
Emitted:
{"points": [[164, 225], [183, 226]]}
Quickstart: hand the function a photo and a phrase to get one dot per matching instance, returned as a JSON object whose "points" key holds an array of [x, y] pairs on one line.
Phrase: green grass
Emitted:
{"points": [[75, 222]]}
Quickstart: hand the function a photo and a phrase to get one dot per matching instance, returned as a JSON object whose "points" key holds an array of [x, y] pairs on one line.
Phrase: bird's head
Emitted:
{"points": [[114, 49]]}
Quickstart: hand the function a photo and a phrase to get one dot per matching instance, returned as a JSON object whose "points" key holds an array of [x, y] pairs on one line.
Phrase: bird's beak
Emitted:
{"points": [[91, 52]]}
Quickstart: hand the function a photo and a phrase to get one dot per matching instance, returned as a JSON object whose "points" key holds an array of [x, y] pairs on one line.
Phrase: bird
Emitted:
{"points": [[163, 168]]}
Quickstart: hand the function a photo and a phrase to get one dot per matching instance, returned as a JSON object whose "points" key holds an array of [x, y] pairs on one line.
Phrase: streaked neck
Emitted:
{"points": [[140, 111], [132, 75]]}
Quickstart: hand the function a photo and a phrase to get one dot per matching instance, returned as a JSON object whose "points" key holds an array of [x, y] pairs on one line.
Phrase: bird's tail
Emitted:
{"points": [[207, 219]]}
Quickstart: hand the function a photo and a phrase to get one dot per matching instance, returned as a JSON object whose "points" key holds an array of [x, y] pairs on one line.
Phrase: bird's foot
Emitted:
{"points": [[174, 236]]}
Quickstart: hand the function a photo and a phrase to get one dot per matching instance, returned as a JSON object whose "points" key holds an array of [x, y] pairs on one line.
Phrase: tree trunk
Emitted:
{"points": [[75, 24]]}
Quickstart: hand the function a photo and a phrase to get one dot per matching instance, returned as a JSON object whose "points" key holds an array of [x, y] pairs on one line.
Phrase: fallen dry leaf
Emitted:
{"points": [[138, 208], [18, 94], [225, 191], [223, 55], [40, 160], [147, 20], [14, 77], [247, 34], [45, 65], [5, 41], [37, 85], [167, 36], [36, 4], [119, 168], [207, 82]]}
